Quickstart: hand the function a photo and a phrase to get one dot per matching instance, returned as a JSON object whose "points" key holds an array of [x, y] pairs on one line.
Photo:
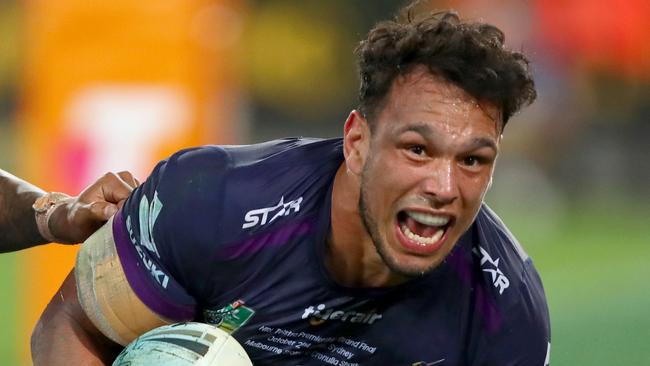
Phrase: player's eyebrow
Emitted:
{"points": [[420, 128], [480, 142], [426, 131]]}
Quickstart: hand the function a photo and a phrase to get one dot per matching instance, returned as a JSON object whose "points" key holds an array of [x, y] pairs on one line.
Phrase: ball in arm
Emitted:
{"points": [[184, 344]]}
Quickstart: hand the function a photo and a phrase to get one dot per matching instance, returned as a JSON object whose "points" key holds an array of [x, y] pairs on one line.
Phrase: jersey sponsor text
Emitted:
{"points": [[260, 216], [320, 314]]}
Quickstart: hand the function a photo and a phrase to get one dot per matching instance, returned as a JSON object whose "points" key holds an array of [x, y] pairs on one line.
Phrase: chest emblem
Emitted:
{"points": [[229, 318]]}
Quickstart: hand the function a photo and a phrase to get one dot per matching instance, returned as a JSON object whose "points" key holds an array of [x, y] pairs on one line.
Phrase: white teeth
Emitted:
{"points": [[428, 219], [420, 239]]}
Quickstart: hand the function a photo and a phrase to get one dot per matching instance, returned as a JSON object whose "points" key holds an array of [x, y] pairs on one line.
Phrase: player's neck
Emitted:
{"points": [[351, 257]]}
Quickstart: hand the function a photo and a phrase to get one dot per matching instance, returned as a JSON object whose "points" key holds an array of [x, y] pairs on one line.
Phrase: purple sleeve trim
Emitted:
{"points": [[141, 280]]}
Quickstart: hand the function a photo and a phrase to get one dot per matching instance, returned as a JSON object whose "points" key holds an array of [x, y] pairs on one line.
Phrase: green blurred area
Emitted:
{"points": [[8, 309], [595, 271]]}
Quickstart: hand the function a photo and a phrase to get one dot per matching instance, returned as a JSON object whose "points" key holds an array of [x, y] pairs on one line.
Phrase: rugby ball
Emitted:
{"points": [[184, 344]]}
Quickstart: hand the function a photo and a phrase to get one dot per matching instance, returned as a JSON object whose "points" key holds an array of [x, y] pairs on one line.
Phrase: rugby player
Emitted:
{"points": [[30, 217], [373, 249]]}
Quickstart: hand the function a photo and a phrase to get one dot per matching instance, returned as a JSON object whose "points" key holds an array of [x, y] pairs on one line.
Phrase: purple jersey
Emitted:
{"points": [[236, 236]]}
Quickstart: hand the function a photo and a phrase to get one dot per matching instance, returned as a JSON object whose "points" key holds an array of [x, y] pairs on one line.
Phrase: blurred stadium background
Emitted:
{"points": [[90, 86]]}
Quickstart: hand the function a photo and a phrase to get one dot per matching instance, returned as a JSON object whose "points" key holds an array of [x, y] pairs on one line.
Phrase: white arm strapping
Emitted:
{"points": [[105, 294]]}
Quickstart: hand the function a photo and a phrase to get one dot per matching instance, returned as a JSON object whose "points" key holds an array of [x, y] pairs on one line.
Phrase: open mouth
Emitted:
{"points": [[422, 231]]}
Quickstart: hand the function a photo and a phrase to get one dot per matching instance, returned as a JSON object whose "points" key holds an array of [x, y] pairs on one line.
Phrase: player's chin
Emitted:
{"points": [[410, 266]]}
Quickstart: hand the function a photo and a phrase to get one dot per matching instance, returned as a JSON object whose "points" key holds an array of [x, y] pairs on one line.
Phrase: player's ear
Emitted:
{"points": [[356, 141]]}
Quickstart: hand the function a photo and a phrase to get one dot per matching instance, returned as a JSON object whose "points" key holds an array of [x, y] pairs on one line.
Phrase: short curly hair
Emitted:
{"points": [[470, 55]]}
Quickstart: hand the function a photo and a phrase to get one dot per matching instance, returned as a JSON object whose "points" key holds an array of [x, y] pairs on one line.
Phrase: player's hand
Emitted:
{"points": [[76, 219]]}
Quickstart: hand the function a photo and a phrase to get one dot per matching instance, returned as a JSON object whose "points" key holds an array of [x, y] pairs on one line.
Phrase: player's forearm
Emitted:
{"points": [[18, 228], [65, 336]]}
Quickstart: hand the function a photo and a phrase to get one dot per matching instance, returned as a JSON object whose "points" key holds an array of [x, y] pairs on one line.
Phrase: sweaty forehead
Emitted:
{"points": [[420, 90]]}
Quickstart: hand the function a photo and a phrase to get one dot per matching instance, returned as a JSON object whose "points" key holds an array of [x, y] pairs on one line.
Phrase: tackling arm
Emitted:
{"points": [[17, 223], [69, 220]]}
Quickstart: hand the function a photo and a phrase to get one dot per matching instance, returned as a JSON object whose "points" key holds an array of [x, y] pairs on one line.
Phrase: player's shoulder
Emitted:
{"points": [[290, 179], [198, 157], [188, 170], [517, 326], [495, 235], [232, 194], [504, 262], [200, 168], [290, 151], [293, 172]]}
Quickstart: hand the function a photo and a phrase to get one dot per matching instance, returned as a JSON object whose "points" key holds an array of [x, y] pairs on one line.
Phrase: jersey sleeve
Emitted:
{"points": [[512, 309], [523, 335], [163, 231]]}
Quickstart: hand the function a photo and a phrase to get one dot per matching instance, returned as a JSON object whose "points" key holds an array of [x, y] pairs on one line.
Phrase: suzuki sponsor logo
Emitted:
{"points": [[319, 314], [260, 216], [491, 266], [146, 245]]}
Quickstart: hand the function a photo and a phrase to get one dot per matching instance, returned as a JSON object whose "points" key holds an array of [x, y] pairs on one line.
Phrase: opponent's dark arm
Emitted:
{"points": [[18, 228], [72, 219]]}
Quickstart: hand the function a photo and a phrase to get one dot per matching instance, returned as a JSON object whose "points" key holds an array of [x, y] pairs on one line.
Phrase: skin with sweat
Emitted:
{"points": [[412, 183]]}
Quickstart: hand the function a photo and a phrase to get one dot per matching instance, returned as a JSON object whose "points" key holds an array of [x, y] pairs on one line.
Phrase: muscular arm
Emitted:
{"points": [[65, 336], [94, 309], [18, 228]]}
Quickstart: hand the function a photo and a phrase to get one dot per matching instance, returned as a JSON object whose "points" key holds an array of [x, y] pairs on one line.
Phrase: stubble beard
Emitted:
{"points": [[372, 228]]}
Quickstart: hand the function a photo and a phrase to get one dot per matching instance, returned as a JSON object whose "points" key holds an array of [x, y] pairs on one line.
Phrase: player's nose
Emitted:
{"points": [[440, 184]]}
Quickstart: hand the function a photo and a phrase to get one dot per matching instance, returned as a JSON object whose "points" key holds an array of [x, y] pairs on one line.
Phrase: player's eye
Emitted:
{"points": [[418, 150], [471, 161], [475, 162]]}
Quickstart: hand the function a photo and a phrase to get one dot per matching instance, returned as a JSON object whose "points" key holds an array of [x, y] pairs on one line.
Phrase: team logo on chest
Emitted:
{"points": [[229, 318], [260, 216]]}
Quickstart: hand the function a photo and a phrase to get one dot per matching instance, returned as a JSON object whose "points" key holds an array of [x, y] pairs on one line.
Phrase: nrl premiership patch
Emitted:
{"points": [[229, 318]]}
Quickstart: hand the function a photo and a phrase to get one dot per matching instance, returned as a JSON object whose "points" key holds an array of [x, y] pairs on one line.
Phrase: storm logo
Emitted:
{"points": [[320, 314], [261, 216], [491, 266]]}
